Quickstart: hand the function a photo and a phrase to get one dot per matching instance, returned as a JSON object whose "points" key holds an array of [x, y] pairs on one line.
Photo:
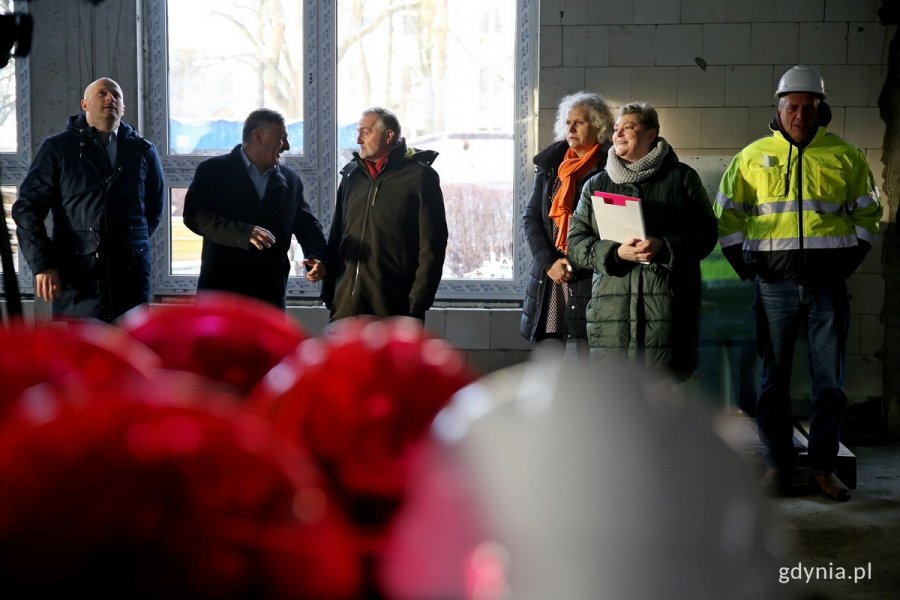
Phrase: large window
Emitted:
{"points": [[457, 73], [9, 137], [245, 55], [14, 133], [9, 196], [447, 68]]}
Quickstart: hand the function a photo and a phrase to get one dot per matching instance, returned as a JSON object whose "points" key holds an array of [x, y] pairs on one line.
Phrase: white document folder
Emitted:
{"points": [[617, 217]]}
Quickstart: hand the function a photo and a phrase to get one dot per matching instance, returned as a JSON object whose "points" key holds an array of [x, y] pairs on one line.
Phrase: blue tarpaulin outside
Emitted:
{"points": [[205, 137]]}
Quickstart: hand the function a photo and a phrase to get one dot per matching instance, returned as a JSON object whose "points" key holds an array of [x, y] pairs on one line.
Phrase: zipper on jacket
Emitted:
{"points": [[800, 197], [802, 262], [354, 291]]}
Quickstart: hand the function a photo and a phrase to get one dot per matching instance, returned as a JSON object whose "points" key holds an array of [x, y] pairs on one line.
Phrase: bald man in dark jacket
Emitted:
{"points": [[103, 185]]}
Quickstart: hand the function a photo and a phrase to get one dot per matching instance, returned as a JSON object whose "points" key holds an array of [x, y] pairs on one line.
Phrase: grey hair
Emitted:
{"points": [[258, 118], [782, 99], [646, 114], [599, 114], [387, 120]]}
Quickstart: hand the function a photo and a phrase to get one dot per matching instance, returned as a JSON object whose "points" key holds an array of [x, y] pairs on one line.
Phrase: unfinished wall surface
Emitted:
{"points": [[74, 44], [711, 68]]}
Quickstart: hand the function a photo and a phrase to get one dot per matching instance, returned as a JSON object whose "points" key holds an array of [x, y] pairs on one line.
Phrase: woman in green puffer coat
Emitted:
{"points": [[645, 299]]}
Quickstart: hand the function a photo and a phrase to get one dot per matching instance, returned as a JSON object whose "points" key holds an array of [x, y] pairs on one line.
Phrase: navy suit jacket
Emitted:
{"points": [[222, 206]]}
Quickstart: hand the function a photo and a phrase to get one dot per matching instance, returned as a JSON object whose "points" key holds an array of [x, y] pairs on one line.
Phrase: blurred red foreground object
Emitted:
{"points": [[140, 500], [229, 338], [75, 357], [358, 398]]}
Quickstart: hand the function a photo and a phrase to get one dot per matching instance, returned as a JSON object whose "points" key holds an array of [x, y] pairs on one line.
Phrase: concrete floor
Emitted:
{"points": [[829, 540], [861, 536], [830, 543]]}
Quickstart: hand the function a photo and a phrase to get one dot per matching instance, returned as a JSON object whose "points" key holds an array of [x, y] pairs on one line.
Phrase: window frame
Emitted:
{"points": [[316, 165]]}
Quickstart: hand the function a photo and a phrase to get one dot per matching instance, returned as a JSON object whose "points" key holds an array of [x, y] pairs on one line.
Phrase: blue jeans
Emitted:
{"points": [[782, 308]]}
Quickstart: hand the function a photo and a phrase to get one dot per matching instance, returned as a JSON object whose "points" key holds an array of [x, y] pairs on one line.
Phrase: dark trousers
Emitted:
{"points": [[781, 309]]}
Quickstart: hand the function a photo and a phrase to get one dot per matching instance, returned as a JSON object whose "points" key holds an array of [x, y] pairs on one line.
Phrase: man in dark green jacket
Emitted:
{"points": [[388, 235]]}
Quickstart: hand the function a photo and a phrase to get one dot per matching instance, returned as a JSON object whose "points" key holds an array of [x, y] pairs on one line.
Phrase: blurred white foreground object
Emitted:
{"points": [[562, 479]]}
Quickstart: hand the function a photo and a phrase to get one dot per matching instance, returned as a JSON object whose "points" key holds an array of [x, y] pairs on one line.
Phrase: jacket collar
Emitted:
{"points": [[394, 157], [818, 135], [78, 124], [552, 155], [397, 156], [276, 179]]}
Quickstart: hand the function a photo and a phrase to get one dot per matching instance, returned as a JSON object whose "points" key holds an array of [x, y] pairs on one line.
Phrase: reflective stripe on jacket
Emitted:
{"points": [[797, 213]]}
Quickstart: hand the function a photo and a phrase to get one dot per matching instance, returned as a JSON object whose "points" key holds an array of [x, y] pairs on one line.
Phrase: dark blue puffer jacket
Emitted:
{"points": [[103, 217], [537, 226]]}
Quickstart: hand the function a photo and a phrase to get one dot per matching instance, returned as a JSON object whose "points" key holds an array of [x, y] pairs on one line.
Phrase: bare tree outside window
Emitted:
{"points": [[227, 58], [8, 193], [8, 123], [9, 137], [242, 54]]}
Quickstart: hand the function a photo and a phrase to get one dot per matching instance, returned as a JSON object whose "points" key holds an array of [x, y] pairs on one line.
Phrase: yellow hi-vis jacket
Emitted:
{"points": [[803, 214]]}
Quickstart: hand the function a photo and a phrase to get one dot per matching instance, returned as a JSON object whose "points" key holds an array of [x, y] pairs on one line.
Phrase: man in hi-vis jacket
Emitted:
{"points": [[798, 211]]}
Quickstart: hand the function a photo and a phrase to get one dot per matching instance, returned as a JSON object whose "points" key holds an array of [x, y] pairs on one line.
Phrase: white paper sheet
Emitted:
{"points": [[618, 218]]}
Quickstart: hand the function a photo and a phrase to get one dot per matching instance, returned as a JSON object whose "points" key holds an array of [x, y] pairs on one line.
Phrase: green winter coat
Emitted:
{"points": [[648, 313]]}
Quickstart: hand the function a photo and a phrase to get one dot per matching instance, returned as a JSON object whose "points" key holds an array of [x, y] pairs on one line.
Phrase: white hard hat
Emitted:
{"points": [[801, 78]]}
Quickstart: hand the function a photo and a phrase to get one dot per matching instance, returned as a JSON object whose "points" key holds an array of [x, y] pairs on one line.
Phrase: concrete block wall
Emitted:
{"points": [[489, 339], [711, 67]]}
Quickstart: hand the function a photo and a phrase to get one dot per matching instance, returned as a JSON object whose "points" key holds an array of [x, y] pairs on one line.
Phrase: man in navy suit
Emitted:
{"points": [[246, 205]]}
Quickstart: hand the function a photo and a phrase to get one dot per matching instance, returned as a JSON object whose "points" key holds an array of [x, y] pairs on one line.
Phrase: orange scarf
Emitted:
{"points": [[572, 170]]}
